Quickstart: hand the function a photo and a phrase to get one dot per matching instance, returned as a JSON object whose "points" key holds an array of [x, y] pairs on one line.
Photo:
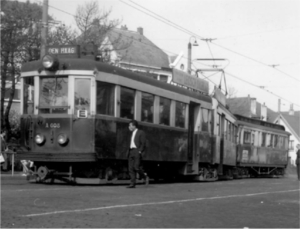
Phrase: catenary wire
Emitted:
{"points": [[213, 43]]}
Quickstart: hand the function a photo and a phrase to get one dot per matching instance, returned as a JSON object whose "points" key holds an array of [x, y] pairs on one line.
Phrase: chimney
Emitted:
{"points": [[253, 106], [124, 27], [140, 30], [279, 104], [263, 112], [291, 111]]}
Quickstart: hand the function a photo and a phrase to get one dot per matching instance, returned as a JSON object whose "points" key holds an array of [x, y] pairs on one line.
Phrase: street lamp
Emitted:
{"points": [[189, 65]]}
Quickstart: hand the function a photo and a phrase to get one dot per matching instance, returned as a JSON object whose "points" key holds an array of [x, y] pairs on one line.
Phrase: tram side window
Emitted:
{"points": [[180, 114], [164, 111], [252, 138], [263, 140], [270, 140], [105, 98], [127, 103], [204, 120], [219, 125], [247, 137], [280, 142], [276, 141], [28, 95], [147, 107], [229, 131], [225, 126]]}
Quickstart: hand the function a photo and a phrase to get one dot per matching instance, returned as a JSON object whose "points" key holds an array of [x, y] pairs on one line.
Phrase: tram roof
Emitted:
{"points": [[262, 124], [91, 65]]}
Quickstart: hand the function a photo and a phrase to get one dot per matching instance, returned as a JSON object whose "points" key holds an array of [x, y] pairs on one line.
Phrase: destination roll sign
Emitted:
{"points": [[64, 50]]}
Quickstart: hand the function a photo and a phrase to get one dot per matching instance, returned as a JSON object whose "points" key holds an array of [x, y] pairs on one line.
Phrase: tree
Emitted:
{"points": [[95, 27], [62, 35], [19, 41], [231, 92], [93, 23]]}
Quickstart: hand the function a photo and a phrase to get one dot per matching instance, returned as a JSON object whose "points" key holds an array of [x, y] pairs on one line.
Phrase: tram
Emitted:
{"points": [[262, 148], [75, 112]]}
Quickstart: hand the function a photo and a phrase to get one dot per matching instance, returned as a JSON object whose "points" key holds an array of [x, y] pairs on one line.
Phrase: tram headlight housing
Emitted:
{"points": [[40, 139], [50, 62], [62, 139]]}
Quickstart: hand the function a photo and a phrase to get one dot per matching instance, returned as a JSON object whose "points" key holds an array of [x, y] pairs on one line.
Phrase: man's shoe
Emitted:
{"points": [[131, 186]]}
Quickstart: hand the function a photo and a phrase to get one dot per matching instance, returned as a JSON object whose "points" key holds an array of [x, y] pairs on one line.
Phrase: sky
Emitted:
{"points": [[260, 39]]}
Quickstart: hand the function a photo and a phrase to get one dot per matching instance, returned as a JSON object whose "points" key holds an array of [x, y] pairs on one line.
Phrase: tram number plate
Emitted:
{"points": [[52, 125]]}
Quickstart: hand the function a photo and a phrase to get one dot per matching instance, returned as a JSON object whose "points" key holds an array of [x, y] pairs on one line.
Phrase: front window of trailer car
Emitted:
{"points": [[53, 95]]}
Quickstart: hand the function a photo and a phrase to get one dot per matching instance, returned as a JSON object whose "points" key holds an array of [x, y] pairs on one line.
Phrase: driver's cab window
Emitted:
{"points": [[82, 97]]}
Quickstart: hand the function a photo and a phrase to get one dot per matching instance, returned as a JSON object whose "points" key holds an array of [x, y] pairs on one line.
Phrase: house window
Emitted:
{"points": [[247, 137], [163, 78], [291, 145]]}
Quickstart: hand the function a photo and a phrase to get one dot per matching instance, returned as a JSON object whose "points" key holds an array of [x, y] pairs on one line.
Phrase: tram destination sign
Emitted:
{"points": [[187, 80], [65, 50]]}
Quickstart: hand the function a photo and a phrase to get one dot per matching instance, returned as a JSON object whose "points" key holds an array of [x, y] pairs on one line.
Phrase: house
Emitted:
{"points": [[291, 121], [250, 107], [132, 50]]}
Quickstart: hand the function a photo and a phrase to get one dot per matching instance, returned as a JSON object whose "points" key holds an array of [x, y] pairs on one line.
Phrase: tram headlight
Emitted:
{"points": [[62, 139], [39, 139], [50, 62]]}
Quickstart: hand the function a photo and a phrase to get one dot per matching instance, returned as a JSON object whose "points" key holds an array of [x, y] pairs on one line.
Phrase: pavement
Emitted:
{"points": [[8, 174], [240, 203]]}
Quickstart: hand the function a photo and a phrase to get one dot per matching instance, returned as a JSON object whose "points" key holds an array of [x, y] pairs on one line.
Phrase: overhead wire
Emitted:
{"points": [[200, 37], [194, 66]]}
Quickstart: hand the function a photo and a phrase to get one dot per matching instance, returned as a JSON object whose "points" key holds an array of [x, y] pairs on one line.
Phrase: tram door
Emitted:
{"points": [[83, 123], [193, 112]]}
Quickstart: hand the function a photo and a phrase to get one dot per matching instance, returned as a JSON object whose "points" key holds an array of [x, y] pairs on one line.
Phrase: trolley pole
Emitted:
{"points": [[44, 30]]}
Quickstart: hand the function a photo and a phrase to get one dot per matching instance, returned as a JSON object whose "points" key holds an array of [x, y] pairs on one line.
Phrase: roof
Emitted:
{"points": [[293, 121], [138, 49], [242, 106], [92, 65]]}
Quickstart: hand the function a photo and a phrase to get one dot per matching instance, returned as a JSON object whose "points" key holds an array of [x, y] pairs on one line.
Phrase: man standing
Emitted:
{"points": [[298, 161], [137, 146]]}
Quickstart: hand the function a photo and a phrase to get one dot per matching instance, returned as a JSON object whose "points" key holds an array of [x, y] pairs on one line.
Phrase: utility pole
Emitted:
{"points": [[189, 62], [44, 30], [189, 65]]}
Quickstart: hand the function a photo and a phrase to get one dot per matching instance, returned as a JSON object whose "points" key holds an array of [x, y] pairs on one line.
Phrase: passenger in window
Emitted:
{"points": [[164, 116], [147, 116]]}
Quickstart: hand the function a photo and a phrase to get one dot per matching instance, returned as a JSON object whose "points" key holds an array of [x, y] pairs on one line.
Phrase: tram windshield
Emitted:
{"points": [[53, 95]]}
